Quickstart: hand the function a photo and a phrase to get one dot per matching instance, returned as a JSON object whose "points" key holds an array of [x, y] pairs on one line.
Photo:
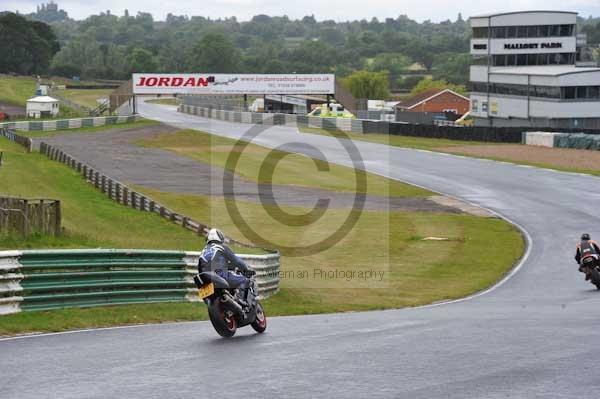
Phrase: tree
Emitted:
{"points": [[142, 61], [370, 85], [453, 68], [103, 44], [313, 57], [428, 83], [394, 63], [332, 36], [408, 82], [25, 47], [215, 53]]}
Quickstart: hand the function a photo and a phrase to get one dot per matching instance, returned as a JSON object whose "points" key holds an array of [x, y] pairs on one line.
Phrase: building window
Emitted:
{"points": [[484, 106], [568, 93], [499, 32], [532, 59], [566, 30], [480, 60], [475, 105], [503, 32], [565, 93], [499, 60], [480, 33]]}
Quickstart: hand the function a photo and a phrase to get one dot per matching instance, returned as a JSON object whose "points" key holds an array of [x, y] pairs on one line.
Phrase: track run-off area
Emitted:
{"points": [[535, 334]]}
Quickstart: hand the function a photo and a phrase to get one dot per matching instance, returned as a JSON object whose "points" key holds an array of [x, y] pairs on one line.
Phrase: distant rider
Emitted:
{"points": [[586, 247], [220, 259]]}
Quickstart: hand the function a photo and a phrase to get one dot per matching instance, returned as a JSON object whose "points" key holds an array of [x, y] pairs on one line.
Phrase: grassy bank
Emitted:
{"points": [[163, 101], [16, 89], [414, 271], [561, 159], [292, 169], [86, 97], [420, 143], [90, 219]]}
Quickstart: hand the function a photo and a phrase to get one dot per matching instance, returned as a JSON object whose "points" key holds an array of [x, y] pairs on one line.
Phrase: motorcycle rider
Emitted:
{"points": [[586, 247], [220, 259]]}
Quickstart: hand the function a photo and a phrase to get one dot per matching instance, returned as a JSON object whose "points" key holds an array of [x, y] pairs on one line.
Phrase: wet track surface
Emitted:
{"points": [[534, 336]]}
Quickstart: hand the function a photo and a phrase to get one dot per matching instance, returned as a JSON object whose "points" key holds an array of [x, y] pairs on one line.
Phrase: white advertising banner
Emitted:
{"points": [[162, 83]]}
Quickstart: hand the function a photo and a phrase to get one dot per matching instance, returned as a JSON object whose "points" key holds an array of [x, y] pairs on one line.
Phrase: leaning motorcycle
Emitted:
{"points": [[590, 265], [224, 310]]}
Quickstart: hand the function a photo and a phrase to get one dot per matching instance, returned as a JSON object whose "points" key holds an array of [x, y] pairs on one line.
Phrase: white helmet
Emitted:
{"points": [[215, 235]]}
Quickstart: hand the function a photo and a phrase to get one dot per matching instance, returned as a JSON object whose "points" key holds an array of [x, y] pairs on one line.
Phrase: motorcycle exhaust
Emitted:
{"points": [[236, 307]]}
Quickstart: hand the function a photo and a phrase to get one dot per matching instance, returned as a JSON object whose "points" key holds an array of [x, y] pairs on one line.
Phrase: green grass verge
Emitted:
{"points": [[452, 269], [163, 101], [443, 146], [86, 97], [594, 172], [415, 271], [94, 129], [90, 219], [292, 169], [16, 89], [421, 143]]}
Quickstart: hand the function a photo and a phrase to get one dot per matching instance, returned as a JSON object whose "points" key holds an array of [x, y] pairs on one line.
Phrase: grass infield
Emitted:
{"points": [[416, 271]]}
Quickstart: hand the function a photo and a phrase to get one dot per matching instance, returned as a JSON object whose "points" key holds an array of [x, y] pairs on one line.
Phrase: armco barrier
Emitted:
{"points": [[53, 279], [274, 118], [490, 134], [68, 123]]}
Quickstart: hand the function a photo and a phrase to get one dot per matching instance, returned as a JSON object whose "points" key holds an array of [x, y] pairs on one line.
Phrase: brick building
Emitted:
{"points": [[436, 101]]}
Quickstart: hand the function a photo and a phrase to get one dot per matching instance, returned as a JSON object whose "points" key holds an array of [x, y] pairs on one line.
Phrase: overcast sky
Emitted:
{"points": [[339, 10]]}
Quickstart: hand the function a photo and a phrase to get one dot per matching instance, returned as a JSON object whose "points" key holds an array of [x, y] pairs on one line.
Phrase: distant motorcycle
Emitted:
{"points": [[226, 313], [590, 265]]}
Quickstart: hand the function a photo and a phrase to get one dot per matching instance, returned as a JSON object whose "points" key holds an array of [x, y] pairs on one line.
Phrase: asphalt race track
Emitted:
{"points": [[535, 335]]}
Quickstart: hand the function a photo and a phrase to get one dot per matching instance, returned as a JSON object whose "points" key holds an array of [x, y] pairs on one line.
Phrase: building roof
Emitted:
{"points": [[497, 14], [425, 96], [42, 99], [543, 70]]}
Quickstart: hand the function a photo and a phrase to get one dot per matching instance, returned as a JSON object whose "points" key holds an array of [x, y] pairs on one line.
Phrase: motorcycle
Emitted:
{"points": [[590, 265], [226, 313]]}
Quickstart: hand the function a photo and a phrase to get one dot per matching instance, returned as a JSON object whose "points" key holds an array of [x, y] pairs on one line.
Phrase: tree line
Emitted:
{"points": [[112, 47], [398, 50]]}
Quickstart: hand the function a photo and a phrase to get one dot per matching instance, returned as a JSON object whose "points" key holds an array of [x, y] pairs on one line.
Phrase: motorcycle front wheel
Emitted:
{"points": [[260, 323], [225, 324]]}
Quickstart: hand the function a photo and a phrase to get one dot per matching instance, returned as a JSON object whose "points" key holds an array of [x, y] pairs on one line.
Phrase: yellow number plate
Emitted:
{"points": [[206, 290]]}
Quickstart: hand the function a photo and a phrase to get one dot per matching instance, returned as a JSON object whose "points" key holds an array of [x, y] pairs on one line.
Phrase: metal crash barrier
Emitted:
{"points": [[54, 279]]}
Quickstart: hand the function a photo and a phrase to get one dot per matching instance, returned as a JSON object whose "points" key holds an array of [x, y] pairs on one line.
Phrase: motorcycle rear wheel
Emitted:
{"points": [[260, 323], [595, 277], [224, 325]]}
